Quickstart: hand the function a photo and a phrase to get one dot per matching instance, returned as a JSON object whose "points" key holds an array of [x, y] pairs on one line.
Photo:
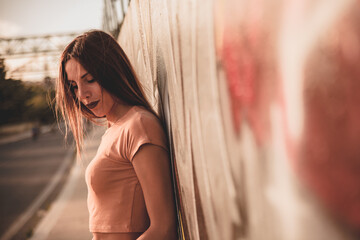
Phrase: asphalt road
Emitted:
{"points": [[26, 167]]}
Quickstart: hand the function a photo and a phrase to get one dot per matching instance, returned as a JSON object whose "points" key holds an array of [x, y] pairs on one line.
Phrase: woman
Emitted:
{"points": [[129, 180]]}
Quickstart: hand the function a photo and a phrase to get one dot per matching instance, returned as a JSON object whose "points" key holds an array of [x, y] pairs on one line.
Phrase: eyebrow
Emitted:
{"points": [[84, 75]]}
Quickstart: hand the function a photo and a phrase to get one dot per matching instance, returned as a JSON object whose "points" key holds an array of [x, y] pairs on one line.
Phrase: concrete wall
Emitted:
{"points": [[262, 103]]}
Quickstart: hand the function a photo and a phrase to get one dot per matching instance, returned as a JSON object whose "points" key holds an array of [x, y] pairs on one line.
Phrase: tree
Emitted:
{"points": [[2, 69], [21, 102]]}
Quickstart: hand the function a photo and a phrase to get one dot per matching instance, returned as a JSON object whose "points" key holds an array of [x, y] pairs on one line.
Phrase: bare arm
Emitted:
{"points": [[152, 166]]}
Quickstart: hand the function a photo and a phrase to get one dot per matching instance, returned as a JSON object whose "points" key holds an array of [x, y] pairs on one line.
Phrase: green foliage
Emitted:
{"points": [[20, 102], [2, 69], [39, 104]]}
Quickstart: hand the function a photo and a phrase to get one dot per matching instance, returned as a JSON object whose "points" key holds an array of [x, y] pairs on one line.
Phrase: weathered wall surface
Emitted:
{"points": [[262, 103]]}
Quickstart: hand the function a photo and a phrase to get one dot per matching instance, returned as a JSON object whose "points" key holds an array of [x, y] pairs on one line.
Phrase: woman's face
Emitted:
{"points": [[88, 90]]}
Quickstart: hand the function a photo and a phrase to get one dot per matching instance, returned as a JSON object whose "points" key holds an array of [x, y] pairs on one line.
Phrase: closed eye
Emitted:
{"points": [[91, 80]]}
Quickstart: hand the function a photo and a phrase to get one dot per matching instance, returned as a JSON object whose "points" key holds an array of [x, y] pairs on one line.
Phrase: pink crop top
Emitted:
{"points": [[115, 198]]}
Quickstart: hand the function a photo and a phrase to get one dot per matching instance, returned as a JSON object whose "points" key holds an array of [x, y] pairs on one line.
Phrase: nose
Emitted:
{"points": [[83, 92]]}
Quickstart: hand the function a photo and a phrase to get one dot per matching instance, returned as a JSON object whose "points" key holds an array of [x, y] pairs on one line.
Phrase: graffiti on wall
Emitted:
{"points": [[261, 103]]}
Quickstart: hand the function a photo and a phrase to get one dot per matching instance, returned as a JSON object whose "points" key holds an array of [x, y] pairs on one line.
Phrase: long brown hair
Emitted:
{"points": [[103, 58]]}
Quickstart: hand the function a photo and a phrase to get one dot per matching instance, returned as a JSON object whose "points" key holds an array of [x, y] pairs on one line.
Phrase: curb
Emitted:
{"points": [[46, 224]]}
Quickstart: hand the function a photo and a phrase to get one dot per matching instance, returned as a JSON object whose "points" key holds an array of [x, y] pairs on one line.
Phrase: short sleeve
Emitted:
{"points": [[144, 129]]}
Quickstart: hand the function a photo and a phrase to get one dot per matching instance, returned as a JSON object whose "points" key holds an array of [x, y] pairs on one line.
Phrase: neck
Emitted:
{"points": [[117, 111]]}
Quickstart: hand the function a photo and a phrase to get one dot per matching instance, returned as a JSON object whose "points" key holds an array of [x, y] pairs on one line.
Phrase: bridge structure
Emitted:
{"points": [[36, 57]]}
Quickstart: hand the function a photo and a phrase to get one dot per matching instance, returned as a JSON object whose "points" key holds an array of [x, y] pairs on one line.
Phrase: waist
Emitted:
{"points": [[116, 236]]}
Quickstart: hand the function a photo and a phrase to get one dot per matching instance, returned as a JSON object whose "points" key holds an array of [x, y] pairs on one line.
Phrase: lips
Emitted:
{"points": [[92, 104]]}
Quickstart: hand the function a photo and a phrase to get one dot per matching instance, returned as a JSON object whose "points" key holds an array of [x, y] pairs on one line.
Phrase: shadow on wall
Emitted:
{"points": [[261, 103]]}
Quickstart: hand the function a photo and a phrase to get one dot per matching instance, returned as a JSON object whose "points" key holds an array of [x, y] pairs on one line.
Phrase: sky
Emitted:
{"points": [[40, 17], [37, 17]]}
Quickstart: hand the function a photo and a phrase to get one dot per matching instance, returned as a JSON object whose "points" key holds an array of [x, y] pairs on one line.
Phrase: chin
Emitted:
{"points": [[99, 115]]}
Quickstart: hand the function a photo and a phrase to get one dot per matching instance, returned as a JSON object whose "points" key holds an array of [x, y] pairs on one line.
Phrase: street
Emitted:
{"points": [[26, 168]]}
